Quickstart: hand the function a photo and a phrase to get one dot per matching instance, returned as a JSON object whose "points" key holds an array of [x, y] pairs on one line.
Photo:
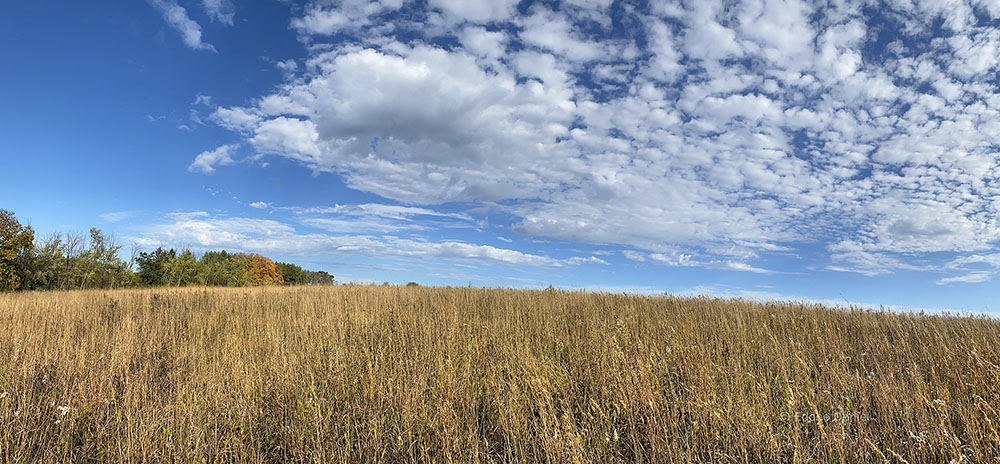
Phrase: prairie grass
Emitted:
{"points": [[402, 374]]}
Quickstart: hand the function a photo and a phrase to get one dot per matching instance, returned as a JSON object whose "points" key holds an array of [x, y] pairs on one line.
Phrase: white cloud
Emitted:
{"points": [[665, 64], [711, 136], [114, 216], [709, 40], [972, 277], [479, 41], [294, 138], [735, 266], [372, 217], [364, 224], [634, 255], [686, 260], [207, 161], [331, 17], [988, 259], [222, 11], [203, 100], [184, 215], [780, 28], [287, 68], [177, 17], [322, 22], [202, 231], [476, 11], [554, 32], [972, 268], [427, 107], [236, 119], [389, 211]]}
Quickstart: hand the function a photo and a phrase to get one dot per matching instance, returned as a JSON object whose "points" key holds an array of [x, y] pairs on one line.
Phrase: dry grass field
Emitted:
{"points": [[399, 374]]}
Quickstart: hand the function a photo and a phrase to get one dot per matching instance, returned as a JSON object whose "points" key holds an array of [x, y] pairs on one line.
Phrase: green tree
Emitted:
{"points": [[56, 264], [182, 270], [46, 264], [320, 278], [72, 261], [217, 268], [100, 266], [16, 246], [153, 266], [292, 274]]}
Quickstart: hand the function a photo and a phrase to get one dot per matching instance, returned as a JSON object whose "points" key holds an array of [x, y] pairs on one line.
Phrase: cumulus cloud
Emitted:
{"points": [[479, 41], [478, 11], [236, 119], [176, 16], [331, 17], [554, 32], [701, 134], [207, 161]]}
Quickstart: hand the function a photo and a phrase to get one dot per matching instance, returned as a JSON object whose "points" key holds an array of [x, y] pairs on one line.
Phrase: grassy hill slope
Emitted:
{"points": [[343, 374]]}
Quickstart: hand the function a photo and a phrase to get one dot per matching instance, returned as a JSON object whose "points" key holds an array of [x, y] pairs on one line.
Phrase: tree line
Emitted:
{"points": [[65, 261]]}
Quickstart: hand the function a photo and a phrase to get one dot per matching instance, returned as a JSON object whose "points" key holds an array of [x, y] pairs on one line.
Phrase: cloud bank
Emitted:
{"points": [[867, 130]]}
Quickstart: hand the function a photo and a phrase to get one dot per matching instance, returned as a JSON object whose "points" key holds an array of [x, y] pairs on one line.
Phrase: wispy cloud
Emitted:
{"points": [[222, 11], [202, 230], [114, 216], [687, 260], [378, 209], [736, 266], [972, 277], [372, 217], [177, 17]]}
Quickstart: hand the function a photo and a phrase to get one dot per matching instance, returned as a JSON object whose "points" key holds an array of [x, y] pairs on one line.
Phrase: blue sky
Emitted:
{"points": [[837, 152]]}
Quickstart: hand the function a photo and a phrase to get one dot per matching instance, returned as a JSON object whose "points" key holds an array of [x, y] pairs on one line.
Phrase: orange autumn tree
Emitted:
{"points": [[258, 270]]}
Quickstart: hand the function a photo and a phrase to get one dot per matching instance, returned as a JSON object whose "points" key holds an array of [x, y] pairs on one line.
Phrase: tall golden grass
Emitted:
{"points": [[390, 374]]}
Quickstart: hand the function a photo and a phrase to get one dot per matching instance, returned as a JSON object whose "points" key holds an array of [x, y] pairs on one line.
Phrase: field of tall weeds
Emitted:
{"points": [[402, 374]]}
